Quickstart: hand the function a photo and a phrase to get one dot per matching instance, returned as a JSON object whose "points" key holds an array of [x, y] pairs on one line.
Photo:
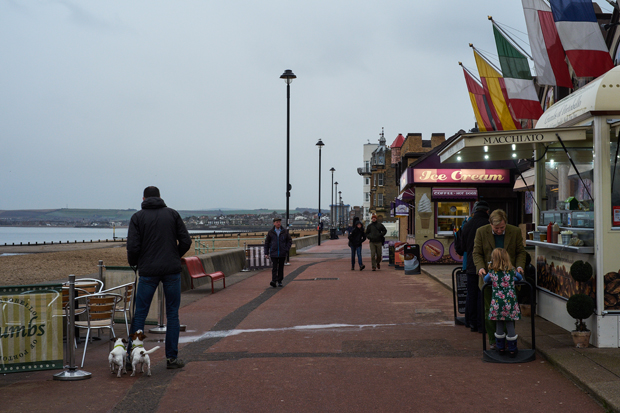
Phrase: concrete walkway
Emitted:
{"points": [[331, 339]]}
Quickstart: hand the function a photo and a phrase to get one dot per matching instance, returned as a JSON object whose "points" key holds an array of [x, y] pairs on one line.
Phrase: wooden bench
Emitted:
{"points": [[196, 270]]}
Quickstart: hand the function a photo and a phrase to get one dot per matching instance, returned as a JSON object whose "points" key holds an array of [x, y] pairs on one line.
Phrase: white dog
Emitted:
{"points": [[139, 354], [118, 356]]}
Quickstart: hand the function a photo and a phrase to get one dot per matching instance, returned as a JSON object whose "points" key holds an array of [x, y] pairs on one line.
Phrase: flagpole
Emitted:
{"points": [[470, 73], [507, 35], [486, 60]]}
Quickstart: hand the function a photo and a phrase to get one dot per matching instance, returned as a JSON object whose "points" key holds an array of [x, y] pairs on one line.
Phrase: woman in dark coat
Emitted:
{"points": [[356, 238]]}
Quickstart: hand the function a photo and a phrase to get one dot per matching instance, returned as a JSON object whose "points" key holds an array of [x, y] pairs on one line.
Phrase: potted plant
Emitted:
{"points": [[580, 306]]}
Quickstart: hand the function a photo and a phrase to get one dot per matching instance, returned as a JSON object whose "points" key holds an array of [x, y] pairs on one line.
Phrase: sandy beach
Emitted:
{"points": [[50, 263]]}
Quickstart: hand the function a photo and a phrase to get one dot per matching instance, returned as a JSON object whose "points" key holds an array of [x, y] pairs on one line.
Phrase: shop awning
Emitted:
{"points": [[454, 193], [407, 195], [529, 180], [502, 145]]}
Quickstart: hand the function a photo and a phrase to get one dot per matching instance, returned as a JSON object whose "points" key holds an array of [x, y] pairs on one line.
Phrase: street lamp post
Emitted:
{"points": [[341, 212], [331, 208], [320, 144], [336, 206], [288, 77]]}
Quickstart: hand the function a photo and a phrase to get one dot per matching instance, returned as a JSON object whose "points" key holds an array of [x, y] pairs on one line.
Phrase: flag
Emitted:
{"points": [[482, 110], [581, 37], [518, 78], [495, 91], [547, 50]]}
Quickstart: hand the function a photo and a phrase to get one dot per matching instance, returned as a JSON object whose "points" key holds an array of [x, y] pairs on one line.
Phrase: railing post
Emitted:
{"points": [[100, 270]]}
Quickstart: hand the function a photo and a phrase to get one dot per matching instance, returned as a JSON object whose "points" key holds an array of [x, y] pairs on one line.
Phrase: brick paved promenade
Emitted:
{"points": [[331, 339]]}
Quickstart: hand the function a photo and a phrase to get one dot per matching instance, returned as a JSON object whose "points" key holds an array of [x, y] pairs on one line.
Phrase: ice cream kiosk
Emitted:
{"points": [[577, 140]]}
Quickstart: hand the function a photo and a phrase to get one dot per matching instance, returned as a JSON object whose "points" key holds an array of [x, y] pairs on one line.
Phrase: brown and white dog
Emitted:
{"points": [[118, 356], [139, 355]]}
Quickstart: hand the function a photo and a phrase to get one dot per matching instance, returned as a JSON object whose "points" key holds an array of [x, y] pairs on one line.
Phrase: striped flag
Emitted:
{"points": [[482, 110], [495, 91], [518, 78], [547, 51], [581, 37]]}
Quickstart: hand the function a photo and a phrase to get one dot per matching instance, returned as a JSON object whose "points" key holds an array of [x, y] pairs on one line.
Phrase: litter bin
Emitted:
{"points": [[333, 233]]}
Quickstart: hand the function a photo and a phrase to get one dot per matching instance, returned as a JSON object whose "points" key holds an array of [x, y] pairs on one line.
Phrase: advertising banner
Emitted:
{"points": [[31, 328]]}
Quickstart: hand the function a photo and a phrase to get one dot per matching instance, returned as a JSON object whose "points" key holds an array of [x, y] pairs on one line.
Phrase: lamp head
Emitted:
{"points": [[288, 76], [320, 144], [332, 170]]}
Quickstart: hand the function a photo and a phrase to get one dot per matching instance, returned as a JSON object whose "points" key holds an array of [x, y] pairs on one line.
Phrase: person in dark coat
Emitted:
{"points": [[375, 232], [473, 303], [277, 244], [156, 240], [356, 238]]}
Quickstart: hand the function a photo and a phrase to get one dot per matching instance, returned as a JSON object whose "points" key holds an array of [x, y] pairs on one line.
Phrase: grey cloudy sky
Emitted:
{"points": [[100, 99]]}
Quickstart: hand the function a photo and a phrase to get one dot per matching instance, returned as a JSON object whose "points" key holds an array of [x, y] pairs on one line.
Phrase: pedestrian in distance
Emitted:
{"points": [[465, 247], [497, 234], [504, 309], [277, 245], [156, 240], [356, 239], [375, 232]]}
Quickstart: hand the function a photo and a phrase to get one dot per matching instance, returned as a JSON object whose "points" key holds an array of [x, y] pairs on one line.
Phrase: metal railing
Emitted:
{"points": [[201, 246]]}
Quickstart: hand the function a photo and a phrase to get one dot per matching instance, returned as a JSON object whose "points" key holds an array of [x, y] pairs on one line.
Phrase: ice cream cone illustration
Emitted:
{"points": [[425, 211]]}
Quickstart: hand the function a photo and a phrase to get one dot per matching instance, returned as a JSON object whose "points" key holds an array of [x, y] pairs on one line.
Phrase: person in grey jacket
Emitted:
{"points": [[278, 242], [375, 232], [156, 240]]}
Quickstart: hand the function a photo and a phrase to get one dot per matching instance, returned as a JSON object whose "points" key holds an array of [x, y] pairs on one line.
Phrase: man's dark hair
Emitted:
{"points": [[151, 192]]}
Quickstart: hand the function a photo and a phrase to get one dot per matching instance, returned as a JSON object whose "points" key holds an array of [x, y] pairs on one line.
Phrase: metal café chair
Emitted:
{"points": [[127, 291], [99, 314]]}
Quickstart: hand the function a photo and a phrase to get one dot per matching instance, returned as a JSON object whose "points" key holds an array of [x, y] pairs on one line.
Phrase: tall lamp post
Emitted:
{"points": [[331, 208], [341, 212], [336, 206], [288, 77], [320, 144]]}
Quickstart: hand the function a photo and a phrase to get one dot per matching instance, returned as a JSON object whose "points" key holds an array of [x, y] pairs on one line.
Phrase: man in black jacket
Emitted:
{"points": [[277, 244], [156, 240], [473, 304]]}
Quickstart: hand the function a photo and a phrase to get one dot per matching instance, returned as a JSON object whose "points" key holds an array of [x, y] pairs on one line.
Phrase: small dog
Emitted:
{"points": [[118, 356], [139, 354]]}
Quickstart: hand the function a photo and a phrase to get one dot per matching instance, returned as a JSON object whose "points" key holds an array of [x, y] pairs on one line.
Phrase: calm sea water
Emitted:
{"points": [[10, 235]]}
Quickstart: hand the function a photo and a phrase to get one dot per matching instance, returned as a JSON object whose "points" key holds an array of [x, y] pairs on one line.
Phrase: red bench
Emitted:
{"points": [[196, 270]]}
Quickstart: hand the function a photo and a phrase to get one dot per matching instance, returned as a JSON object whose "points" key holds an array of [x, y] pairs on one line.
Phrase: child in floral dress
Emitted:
{"points": [[504, 306]]}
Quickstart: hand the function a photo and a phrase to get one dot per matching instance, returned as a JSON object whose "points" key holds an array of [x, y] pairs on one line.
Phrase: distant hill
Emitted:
{"points": [[70, 214]]}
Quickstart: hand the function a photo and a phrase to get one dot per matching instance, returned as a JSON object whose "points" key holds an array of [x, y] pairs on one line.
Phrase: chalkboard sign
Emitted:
{"points": [[461, 290]]}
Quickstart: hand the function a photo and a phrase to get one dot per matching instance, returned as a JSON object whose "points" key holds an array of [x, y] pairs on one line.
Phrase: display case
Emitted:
{"points": [[582, 219], [561, 217]]}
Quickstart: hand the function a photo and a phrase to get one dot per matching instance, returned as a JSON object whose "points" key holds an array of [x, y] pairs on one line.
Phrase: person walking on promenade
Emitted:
{"points": [[356, 238], [497, 234], [473, 302], [375, 232], [504, 307], [277, 245], [156, 240]]}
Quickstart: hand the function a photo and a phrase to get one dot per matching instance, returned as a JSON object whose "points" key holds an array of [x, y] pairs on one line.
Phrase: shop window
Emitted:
{"points": [[451, 215], [566, 182]]}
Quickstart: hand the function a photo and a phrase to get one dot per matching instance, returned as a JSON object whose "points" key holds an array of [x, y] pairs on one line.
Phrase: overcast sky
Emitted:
{"points": [[99, 99]]}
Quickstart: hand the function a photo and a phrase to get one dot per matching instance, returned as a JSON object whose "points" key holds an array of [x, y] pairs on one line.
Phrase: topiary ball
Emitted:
{"points": [[581, 271], [580, 306]]}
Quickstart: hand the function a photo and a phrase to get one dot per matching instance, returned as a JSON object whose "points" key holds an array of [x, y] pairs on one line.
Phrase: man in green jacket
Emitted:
{"points": [[375, 232], [497, 234]]}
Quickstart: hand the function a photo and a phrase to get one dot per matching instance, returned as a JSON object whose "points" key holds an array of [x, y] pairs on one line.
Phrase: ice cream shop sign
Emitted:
{"points": [[449, 176]]}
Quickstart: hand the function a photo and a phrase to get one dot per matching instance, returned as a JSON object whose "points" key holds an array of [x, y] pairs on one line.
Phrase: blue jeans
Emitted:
{"points": [[172, 293], [358, 251]]}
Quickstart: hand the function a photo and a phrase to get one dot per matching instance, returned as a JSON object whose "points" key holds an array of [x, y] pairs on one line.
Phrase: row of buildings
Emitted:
{"points": [[562, 169]]}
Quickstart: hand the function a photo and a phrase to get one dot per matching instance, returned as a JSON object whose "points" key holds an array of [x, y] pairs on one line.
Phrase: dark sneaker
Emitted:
{"points": [[273, 284], [175, 364], [362, 267], [280, 284], [378, 265], [374, 269], [352, 268]]}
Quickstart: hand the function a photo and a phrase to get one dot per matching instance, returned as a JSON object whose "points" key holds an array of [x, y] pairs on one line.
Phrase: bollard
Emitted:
{"points": [[245, 266], [71, 372]]}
